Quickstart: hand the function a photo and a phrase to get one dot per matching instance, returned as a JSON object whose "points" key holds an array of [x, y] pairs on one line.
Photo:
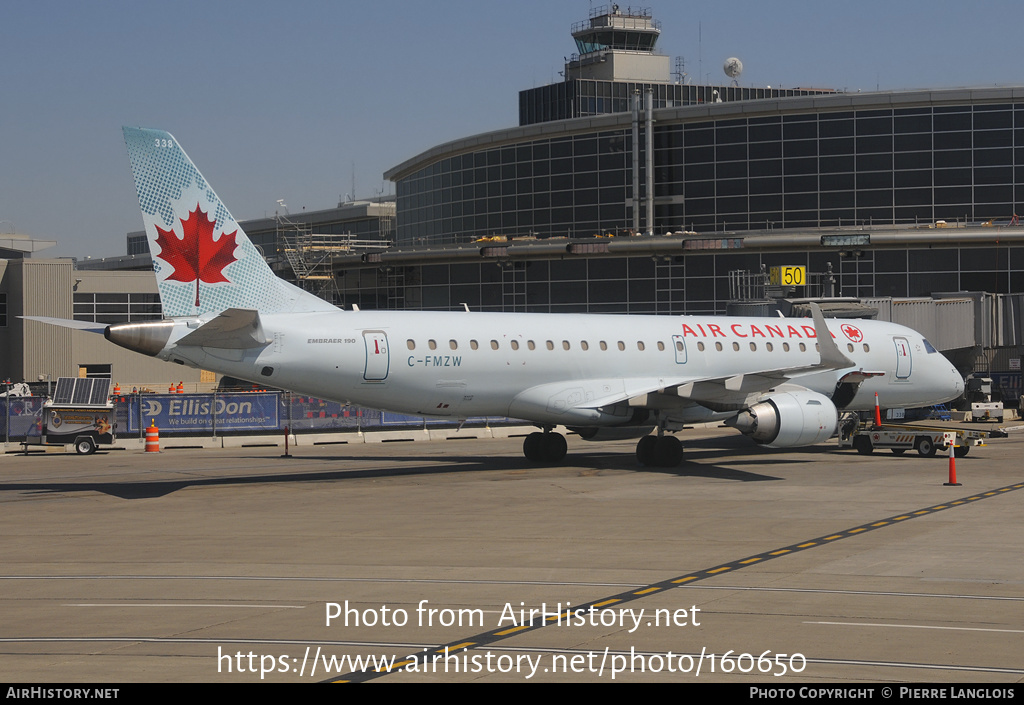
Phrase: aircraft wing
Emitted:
{"points": [[714, 392]]}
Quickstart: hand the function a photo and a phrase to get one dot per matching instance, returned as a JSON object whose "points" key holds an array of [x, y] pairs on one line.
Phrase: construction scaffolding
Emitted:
{"points": [[309, 253]]}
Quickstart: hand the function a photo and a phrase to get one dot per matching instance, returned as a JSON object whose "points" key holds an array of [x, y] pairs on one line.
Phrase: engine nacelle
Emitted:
{"points": [[789, 419], [611, 433]]}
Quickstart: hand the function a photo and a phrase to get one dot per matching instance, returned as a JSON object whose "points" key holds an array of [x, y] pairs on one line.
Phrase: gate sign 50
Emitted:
{"points": [[788, 276]]}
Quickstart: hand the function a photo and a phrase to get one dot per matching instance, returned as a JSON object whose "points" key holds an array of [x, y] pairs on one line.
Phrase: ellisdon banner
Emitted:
{"points": [[204, 412]]}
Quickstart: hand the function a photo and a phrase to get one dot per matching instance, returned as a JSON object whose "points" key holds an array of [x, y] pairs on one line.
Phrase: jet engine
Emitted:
{"points": [[788, 419]]}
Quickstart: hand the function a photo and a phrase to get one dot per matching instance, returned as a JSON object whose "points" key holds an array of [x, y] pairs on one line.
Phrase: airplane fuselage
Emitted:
{"points": [[556, 368]]}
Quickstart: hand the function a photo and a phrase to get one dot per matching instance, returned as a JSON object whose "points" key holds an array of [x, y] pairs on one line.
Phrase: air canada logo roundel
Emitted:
{"points": [[196, 257], [852, 332]]}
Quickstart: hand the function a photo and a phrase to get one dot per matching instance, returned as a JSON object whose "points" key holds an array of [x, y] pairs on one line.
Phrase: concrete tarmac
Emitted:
{"points": [[814, 566]]}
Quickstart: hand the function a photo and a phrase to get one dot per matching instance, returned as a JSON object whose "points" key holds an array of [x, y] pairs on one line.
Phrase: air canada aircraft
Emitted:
{"points": [[780, 381]]}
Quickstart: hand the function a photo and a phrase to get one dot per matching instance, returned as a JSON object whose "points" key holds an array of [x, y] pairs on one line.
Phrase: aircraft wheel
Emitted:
{"points": [[668, 452], [961, 451], [553, 447], [645, 450], [85, 445], [925, 446], [862, 444], [532, 446]]}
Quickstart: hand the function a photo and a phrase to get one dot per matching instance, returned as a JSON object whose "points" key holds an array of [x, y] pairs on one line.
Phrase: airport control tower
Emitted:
{"points": [[616, 58], [618, 45]]}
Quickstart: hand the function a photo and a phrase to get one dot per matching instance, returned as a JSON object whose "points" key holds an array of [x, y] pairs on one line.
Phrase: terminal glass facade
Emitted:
{"points": [[913, 165], [920, 161], [694, 283]]}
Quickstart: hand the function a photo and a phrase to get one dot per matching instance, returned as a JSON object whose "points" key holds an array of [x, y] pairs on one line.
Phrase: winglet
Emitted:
{"points": [[831, 356]]}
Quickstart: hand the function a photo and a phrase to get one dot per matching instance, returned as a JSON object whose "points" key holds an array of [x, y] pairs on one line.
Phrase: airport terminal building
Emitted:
{"points": [[899, 193], [683, 204], [904, 194]]}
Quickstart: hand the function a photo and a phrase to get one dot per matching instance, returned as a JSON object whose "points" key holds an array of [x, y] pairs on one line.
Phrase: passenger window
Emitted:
{"points": [[531, 345], [718, 347], [753, 347], [700, 346], [473, 344], [785, 347], [411, 344], [514, 344], [432, 344], [550, 345], [604, 345], [803, 348], [661, 345], [494, 345], [866, 348], [584, 345], [565, 345], [735, 346], [639, 345], [849, 347], [622, 346], [453, 345], [769, 347]]}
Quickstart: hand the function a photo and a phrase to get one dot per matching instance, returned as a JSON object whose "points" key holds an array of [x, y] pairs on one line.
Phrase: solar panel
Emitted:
{"points": [[83, 387], [82, 391], [100, 391], [65, 386]]}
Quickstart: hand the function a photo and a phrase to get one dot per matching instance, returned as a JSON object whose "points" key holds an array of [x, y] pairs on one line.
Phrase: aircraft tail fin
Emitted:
{"points": [[203, 260]]}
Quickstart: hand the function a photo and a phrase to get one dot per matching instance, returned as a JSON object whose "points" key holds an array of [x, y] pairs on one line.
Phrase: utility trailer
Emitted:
{"points": [[80, 413], [899, 438]]}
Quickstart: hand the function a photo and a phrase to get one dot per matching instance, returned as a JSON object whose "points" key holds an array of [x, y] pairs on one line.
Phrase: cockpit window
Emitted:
{"points": [[929, 348]]}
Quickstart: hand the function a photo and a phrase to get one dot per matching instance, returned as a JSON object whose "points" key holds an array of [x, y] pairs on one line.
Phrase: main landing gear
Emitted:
{"points": [[547, 447], [659, 451]]}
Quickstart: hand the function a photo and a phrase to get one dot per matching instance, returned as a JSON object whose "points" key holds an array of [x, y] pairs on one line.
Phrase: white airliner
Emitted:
{"points": [[777, 380]]}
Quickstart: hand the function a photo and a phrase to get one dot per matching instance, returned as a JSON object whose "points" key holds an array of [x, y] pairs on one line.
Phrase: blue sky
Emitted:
{"points": [[286, 100]]}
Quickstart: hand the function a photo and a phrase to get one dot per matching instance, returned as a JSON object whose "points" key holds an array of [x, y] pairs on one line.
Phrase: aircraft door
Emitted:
{"points": [[904, 363], [679, 345], [378, 359]]}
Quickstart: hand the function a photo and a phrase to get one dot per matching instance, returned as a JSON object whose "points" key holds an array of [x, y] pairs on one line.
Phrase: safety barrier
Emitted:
{"points": [[219, 414]]}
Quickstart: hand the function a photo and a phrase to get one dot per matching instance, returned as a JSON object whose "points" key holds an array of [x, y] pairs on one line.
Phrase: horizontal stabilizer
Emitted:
{"points": [[88, 326], [235, 329]]}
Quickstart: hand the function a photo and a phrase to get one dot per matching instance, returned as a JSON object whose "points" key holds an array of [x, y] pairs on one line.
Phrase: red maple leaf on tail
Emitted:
{"points": [[196, 257]]}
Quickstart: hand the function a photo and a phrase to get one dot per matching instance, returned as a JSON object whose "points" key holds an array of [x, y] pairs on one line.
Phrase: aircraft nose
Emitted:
{"points": [[958, 381]]}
